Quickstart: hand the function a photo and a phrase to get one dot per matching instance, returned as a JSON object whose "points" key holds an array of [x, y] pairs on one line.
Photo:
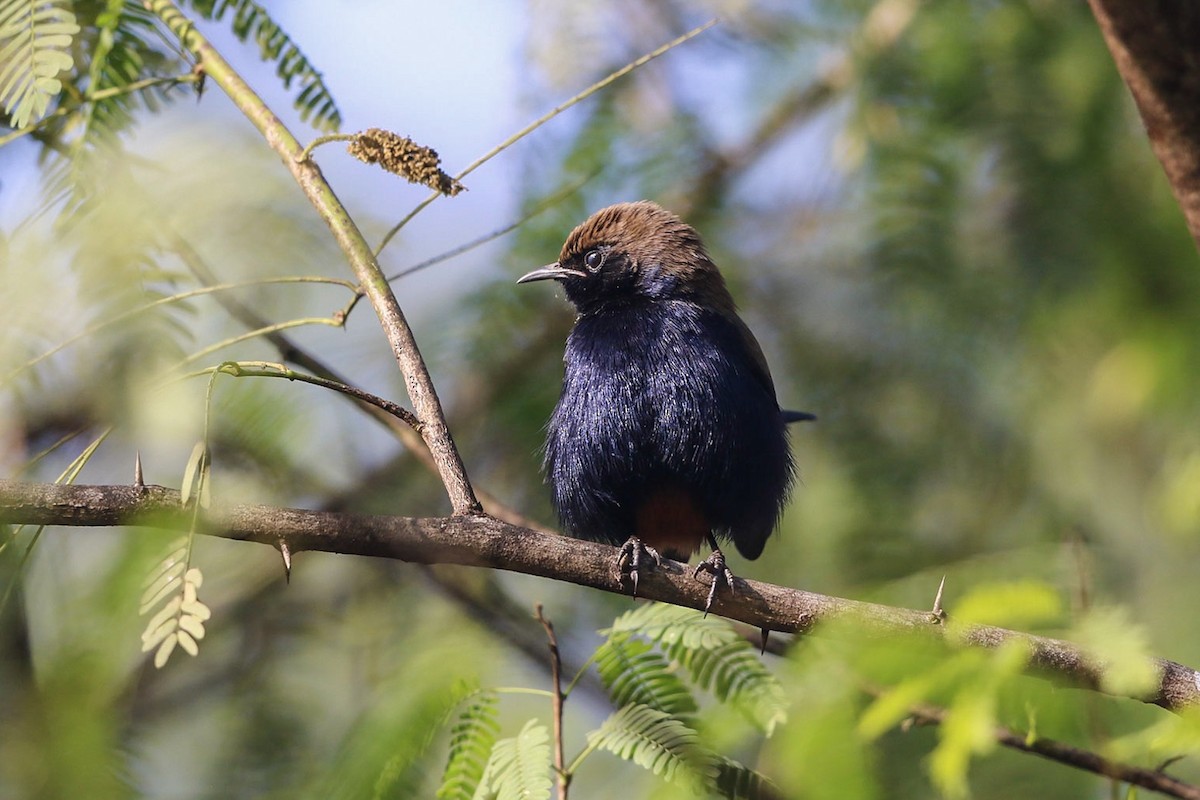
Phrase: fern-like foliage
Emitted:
{"points": [[250, 20], [471, 742], [128, 69], [716, 657], [35, 39], [671, 625], [519, 768], [659, 742], [180, 622], [635, 673], [736, 781]]}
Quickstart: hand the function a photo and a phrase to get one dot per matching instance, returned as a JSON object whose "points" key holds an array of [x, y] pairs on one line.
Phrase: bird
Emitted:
{"points": [[667, 433]]}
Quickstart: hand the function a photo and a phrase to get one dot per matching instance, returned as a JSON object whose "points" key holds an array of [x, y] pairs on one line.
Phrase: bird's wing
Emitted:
{"points": [[757, 359], [759, 364]]}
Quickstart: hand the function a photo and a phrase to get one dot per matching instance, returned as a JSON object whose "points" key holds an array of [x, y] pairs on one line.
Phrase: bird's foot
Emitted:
{"points": [[631, 558], [715, 566]]}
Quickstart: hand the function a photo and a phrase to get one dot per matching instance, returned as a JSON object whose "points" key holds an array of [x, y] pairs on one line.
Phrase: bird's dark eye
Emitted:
{"points": [[593, 260]]}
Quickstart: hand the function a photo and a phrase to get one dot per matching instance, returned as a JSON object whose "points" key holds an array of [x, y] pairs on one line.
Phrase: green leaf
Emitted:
{"points": [[194, 472], [187, 643], [670, 625], [35, 40], [718, 659], [471, 742], [164, 583], [633, 672], [1020, 604], [164, 652], [153, 637], [165, 613], [658, 742], [970, 724], [896, 703], [1120, 649], [519, 768], [181, 619], [735, 780], [251, 21]]}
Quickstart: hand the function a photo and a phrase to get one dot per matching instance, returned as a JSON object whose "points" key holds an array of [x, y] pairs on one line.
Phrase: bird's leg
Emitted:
{"points": [[631, 557], [715, 566]]}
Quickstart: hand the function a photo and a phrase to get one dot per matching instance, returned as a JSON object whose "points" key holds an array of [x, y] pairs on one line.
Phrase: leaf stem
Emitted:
{"points": [[326, 139], [268, 369], [542, 120]]}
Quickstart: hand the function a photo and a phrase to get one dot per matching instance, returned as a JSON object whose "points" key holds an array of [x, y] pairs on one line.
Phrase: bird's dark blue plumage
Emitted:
{"points": [[668, 428], [664, 396]]}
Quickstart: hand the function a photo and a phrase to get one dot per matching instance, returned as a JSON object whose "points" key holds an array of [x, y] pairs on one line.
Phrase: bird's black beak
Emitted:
{"points": [[549, 272]]}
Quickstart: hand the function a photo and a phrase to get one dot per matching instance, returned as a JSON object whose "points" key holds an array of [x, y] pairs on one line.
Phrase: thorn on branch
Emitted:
{"points": [[138, 481], [404, 157], [286, 553], [938, 615]]}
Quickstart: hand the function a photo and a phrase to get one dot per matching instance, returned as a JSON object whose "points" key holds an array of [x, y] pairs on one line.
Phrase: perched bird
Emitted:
{"points": [[667, 431]]}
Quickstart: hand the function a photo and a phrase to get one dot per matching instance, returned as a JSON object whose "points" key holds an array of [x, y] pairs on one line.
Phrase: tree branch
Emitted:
{"points": [[482, 541], [1154, 44], [1156, 781], [366, 269]]}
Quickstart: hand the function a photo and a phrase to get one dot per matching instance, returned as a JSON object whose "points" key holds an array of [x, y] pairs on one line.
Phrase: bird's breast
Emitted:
{"points": [[670, 520], [665, 430]]}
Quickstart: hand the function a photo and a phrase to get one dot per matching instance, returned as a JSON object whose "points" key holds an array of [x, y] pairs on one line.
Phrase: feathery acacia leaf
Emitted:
{"points": [[180, 621], [471, 742], [126, 59], [250, 20], [635, 673], [658, 742], [717, 658], [519, 767], [35, 39], [739, 782]]}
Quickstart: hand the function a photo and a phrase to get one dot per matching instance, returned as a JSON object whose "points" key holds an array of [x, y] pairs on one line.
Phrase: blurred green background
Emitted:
{"points": [[942, 220]]}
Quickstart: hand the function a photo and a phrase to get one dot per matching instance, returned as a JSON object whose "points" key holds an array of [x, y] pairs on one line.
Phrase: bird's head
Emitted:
{"points": [[631, 253]]}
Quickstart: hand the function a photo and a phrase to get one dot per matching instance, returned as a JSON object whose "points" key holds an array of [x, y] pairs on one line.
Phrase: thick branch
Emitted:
{"points": [[1155, 46], [483, 541], [366, 269]]}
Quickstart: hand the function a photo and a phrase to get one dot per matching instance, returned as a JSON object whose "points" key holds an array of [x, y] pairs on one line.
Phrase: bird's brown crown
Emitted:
{"points": [[654, 245]]}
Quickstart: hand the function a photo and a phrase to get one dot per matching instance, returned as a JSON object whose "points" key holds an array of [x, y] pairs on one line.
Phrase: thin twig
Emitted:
{"points": [[265, 369], [542, 120], [543, 205], [882, 27], [326, 139], [560, 762], [179, 297], [203, 352], [1077, 757]]}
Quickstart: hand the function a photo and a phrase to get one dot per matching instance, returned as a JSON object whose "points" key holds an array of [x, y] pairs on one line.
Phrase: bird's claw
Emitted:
{"points": [[631, 557], [715, 566]]}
